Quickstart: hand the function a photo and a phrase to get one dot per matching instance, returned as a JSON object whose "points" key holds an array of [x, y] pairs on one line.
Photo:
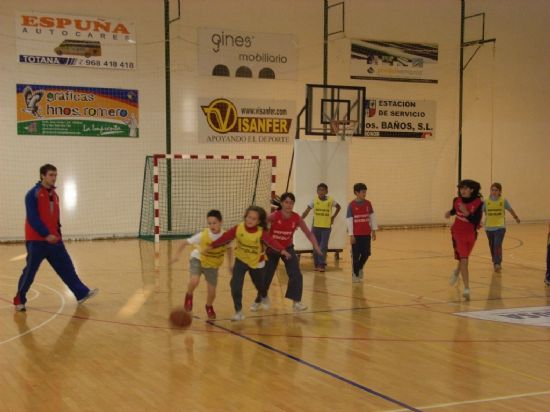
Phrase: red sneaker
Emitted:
{"points": [[19, 307], [188, 304], [210, 312], [321, 269], [316, 268]]}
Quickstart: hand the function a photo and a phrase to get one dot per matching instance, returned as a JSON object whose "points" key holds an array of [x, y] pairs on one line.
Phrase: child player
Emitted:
{"points": [[362, 227], [468, 211], [547, 277], [494, 208], [323, 219], [283, 223], [205, 261], [250, 237]]}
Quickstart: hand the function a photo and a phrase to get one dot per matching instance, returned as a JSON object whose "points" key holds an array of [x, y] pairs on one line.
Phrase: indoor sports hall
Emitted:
{"points": [[410, 264]]}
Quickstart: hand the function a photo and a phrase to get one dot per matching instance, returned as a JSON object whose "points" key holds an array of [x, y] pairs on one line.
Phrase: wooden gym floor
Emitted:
{"points": [[391, 343]]}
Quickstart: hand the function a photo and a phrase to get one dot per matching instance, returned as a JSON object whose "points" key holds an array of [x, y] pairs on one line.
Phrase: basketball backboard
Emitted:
{"points": [[326, 104]]}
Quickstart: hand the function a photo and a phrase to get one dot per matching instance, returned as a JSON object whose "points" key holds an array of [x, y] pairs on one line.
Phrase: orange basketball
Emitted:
{"points": [[180, 318]]}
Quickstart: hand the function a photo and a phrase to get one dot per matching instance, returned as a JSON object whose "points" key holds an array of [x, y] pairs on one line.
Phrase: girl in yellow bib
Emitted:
{"points": [[204, 260], [251, 237], [494, 208]]}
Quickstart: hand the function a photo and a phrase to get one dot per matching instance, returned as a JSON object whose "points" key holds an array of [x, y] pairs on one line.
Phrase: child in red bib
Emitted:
{"points": [[283, 223], [362, 228], [468, 211]]}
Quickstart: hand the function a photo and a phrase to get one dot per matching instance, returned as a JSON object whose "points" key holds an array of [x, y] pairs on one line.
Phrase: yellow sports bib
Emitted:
{"points": [[322, 212], [495, 212], [210, 259], [249, 247]]}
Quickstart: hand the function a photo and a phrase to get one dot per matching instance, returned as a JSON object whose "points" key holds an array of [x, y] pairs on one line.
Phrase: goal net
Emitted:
{"points": [[179, 189]]}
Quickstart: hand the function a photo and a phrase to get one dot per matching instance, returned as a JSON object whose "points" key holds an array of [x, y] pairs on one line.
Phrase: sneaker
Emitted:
{"points": [[90, 294], [238, 316], [454, 278], [497, 268], [355, 279], [298, 307], [19, 307], [255, 306], [266, 303], [188, 303], [547, 281], [210, 312], [466, 293], [316, 268], [361, 274], [321, 268]]}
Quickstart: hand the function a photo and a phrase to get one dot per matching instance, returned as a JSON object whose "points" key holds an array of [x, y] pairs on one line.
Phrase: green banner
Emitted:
{"points": [[73, 128]]}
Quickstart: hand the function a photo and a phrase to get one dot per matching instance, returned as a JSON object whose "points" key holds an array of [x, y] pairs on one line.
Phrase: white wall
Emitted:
{"points": [[410, 182], [506, 122], [108, 172]]}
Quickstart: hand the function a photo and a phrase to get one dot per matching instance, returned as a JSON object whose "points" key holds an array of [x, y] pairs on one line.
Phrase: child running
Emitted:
{"points": [[362, 227], [283, 223], [205, 261], [495, 228], [468, 210], [250, 236], [547, 277], [322, 223]]}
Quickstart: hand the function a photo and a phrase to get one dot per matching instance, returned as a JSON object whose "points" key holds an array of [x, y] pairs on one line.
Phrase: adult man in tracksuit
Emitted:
{"points": [[43, 240]]}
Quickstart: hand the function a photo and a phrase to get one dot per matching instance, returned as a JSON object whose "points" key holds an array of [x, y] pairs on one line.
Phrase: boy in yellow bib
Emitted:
{"points": [[205, 260], [323, 219], [495, 227]]}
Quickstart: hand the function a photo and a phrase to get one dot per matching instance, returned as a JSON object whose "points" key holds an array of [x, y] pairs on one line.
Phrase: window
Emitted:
{"points": [[243, 71], [220, 70], [267, 73]]}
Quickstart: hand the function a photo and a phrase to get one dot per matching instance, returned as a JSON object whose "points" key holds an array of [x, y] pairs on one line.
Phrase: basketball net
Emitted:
{"points": [[345, 129]]}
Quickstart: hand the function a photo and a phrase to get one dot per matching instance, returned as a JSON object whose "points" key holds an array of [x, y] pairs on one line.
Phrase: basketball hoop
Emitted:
{"points": [[344, 128]]}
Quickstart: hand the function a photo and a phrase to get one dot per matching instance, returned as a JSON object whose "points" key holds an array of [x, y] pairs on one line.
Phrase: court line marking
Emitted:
{"points": [[318, 368], [18, 257], [263, 345], [496, 398], [62, 298], [135, 302], [348, 338], [291, 356]]}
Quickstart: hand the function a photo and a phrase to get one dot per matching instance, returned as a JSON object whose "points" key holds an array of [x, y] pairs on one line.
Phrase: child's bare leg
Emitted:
{"points": [[193, 283], [463, 266], [211, 294]]}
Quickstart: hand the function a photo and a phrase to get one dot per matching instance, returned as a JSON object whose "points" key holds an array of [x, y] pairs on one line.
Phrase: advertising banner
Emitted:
{"points": [[400, 118], [236, 53], [76, 111], [246, 121], [77, 41], [393, 61]]}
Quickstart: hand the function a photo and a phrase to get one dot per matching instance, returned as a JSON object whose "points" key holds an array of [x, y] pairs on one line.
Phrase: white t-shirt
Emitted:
{"points": [[196, 240]]}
